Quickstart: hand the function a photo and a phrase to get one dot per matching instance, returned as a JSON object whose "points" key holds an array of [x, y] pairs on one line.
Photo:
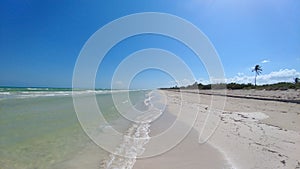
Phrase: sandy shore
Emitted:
{"points": [[188, 154], [251, 133], [235, 132], [287, 96]]}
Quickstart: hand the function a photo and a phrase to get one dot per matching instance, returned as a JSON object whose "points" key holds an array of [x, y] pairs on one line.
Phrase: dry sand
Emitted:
{"points": [[243, 133], [251, 133]]}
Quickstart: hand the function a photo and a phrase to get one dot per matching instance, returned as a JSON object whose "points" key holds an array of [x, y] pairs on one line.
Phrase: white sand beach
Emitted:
{"points": [[251, 134], [248, 133]]}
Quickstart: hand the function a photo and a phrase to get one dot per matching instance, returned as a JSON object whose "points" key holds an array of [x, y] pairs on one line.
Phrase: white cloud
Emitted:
{"points": [[283, 75], [265, 61], [240, 74]]}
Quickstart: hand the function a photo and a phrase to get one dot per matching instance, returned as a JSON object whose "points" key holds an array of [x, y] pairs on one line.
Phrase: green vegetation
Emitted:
{"points": [[257, 69], [280, 86], [235, 86]]}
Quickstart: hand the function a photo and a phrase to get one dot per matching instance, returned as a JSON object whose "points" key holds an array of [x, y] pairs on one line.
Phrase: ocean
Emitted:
{"points": [[39, 128]]}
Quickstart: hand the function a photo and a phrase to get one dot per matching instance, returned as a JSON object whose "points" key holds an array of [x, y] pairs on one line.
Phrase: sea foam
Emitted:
{"points": [[134, 139]]}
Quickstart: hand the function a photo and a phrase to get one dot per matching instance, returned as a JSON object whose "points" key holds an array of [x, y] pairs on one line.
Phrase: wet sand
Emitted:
{"points": [[251, 133], [240, 133]]}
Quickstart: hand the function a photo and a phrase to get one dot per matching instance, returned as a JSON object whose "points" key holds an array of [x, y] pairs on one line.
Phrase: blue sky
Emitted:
{"points": [[41, 40]]}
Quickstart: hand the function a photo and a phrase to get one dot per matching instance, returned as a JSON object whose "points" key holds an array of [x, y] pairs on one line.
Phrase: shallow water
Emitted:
{"points": [[39, 127]]}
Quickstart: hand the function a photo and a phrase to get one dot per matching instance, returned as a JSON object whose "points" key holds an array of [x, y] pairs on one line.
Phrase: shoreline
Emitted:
{"points": [[276, 95], [250, 133], [188, 153]]}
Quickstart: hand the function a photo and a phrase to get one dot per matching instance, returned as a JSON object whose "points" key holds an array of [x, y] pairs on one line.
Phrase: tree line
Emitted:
{"points": [[233, 86]]}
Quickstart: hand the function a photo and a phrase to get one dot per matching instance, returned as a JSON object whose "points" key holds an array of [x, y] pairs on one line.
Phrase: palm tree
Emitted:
{"points": [[257, 69]]}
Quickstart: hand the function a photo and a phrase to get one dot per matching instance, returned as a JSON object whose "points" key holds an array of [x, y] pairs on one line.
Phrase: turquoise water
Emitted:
{"points": [[39, 127]]}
